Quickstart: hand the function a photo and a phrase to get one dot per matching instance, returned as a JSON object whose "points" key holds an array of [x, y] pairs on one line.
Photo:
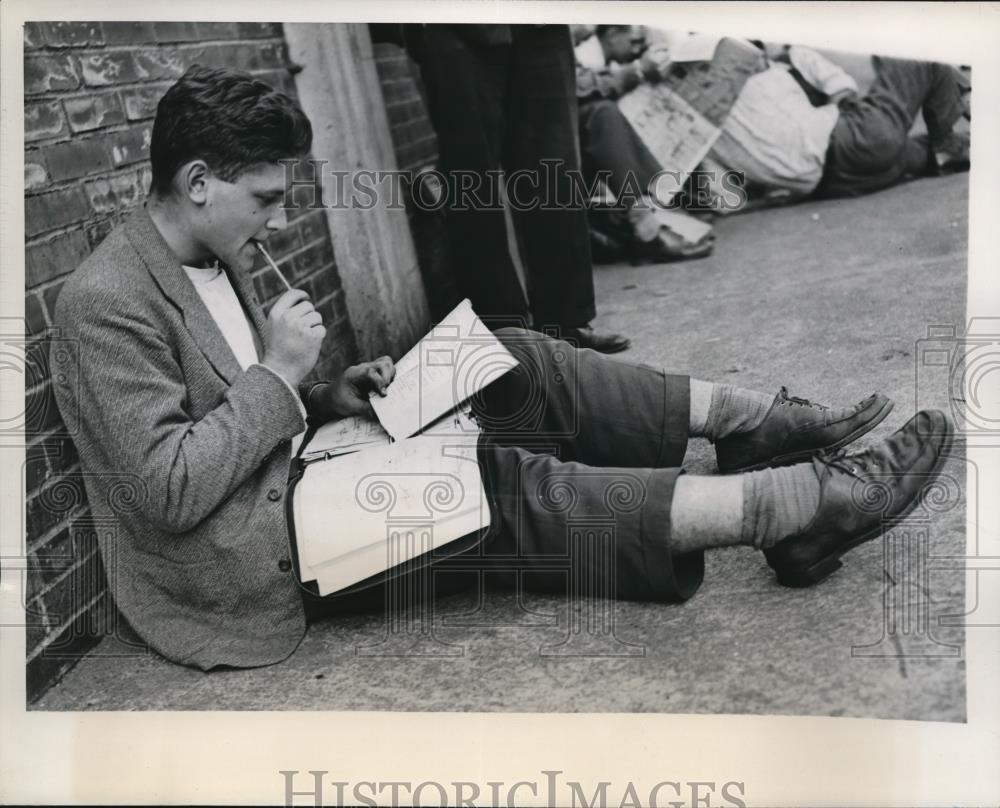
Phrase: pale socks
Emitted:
{"points": [[730, 410], [777, 503], [758, 509]]}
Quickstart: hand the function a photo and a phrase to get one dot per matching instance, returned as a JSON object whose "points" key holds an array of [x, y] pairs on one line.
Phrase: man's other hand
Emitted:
{"points": [[349, 394], [293, 336]]}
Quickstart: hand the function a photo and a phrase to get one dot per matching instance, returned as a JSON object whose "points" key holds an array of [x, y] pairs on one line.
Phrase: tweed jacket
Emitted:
{"points": [[185, 456]]}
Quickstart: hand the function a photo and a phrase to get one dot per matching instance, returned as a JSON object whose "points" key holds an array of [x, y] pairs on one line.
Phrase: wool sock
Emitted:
{"points": [[700, 403], [734, 410], [778, 502]]}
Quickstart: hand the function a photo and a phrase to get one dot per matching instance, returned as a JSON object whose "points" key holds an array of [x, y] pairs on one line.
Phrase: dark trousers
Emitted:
{"points": [[511, 104], [613, 150], [579, 457], [870, 147]]}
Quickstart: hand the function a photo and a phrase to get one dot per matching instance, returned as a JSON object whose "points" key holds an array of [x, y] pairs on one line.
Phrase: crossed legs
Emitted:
{"points": [[576, 444]]}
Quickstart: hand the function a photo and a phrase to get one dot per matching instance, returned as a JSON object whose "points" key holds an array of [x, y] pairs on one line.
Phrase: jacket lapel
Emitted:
{"points": [[243, 284], [166, 270]]}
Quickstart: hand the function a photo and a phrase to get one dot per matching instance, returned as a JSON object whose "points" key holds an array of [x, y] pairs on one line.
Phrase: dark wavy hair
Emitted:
{"points": [[230, 120]]}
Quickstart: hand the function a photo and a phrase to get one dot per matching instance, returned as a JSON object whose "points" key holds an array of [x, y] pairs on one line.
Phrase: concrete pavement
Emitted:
{"points": [[828, 298]]}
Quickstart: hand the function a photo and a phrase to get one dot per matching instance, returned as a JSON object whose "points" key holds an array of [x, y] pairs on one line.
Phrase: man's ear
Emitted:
{"points": [[192, 181]]}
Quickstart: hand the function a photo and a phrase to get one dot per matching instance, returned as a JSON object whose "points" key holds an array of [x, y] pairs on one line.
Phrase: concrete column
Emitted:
{"points": [[339, 90]]}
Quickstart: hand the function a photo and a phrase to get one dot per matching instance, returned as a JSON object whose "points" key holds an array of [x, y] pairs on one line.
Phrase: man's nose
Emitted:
{"points": [[278, 220]]}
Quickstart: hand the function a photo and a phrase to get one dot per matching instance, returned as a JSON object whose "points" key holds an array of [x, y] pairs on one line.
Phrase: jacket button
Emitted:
{"points": [[274, 495], [284, 565]]}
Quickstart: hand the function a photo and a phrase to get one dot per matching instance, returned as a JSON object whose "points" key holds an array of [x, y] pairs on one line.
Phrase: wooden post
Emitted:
{"points": [[339, 90]]}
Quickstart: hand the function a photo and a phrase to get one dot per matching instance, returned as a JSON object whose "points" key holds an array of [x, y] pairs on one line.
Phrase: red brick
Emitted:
{"points": [[246, 56], [268, 286], [35, 175], [39, 517], [49, 297], [44, 212], [313, 227], [43, 670], [50, 73], [145, 178], [111, 194], [73, 34], [141, 103], [216, 30], [94, 112], [128, 33], [33, 37], [40, 411], [108, 67], [77, 158], [57, 256], [70, 593], [283, 242], [159, 63], [97, 231], [36, 470], [34, 315], [48, 562], [61, 499], [43, 120], [64, 457], [312, 259], [130, 145], [251, 30], [175, 31], [325, 283]]}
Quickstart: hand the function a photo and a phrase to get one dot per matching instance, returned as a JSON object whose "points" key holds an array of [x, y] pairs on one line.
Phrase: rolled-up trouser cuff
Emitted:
{"points": [[671, 576]]}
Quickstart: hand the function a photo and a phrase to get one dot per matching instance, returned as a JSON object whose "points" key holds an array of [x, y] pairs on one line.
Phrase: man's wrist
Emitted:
{"points": [[319, 400]]}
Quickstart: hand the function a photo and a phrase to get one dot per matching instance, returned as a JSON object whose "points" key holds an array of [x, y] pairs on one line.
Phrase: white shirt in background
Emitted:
{"points": [[773, 133]]}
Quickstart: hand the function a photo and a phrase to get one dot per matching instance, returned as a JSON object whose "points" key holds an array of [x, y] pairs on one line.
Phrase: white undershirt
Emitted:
{"points": [[219, 297]]}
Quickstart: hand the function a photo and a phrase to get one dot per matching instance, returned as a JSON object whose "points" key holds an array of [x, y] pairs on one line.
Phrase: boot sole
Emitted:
{"points": [[829, 564], [808, 454]]}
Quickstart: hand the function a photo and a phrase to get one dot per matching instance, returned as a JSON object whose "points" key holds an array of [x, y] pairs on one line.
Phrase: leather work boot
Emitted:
{"points": [[861, 496], [795, 429]]}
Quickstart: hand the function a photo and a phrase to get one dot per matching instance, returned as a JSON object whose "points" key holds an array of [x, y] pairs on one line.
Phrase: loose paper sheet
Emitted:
{"points": [[372, 510], [455, 360]]}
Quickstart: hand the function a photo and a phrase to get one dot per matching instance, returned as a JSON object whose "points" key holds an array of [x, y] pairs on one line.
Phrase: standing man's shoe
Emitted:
{"points": [[794, 429], [586, 337], [861, 496]]}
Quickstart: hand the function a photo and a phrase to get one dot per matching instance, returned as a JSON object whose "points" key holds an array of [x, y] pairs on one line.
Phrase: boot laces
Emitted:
{"points": [[802, 402], [854, 464]]}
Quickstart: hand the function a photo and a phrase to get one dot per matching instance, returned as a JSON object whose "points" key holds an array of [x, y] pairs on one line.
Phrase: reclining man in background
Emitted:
{"points": [[611, 62], [800, 125], [178, 380]]}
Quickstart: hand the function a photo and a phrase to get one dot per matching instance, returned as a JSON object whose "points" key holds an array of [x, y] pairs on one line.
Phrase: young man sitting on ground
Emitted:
{"points": [[180, 385]]}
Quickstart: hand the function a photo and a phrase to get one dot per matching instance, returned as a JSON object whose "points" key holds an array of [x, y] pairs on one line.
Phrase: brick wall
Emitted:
{"points": [[90, 96], [415, 146]]}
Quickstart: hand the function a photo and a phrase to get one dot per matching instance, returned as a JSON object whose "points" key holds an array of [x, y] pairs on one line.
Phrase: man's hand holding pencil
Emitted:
{"points": [[293, 334], [293, 337]]}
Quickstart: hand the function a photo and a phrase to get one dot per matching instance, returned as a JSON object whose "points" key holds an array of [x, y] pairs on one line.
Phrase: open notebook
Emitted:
{"points": [[375, 494]]}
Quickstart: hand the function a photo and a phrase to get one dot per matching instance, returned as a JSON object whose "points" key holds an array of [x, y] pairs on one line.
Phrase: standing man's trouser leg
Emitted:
{"points": [[467, 86], [542, 141], [870, 146]]}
